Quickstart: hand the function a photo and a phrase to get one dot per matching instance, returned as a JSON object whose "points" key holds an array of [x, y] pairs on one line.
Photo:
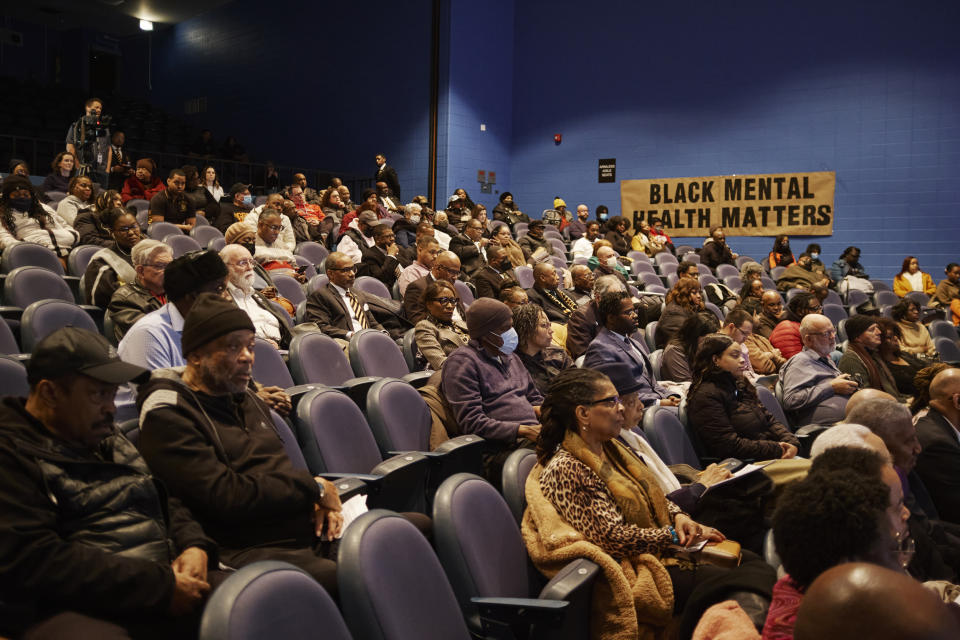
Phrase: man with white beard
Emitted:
{"points": [[268, 323]]}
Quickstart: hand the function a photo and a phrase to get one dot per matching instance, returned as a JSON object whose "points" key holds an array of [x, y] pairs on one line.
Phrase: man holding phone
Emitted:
{"points": [[814, 390]]}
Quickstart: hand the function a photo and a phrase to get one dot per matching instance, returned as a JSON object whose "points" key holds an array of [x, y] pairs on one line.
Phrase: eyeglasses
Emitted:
{"points": [[905, 548], [830, 333], [246, 262], [448, 270], [128, 229], [159, 266], [350, 268], [446, 300], [611, 402], [274, 227]]}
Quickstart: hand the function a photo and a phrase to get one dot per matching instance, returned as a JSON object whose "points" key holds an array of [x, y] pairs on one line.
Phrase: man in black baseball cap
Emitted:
{"points": [[88, 541]]}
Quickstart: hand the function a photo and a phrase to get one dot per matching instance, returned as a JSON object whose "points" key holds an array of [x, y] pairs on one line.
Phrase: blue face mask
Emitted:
{"points": [[814, 256], [510, 341], [248, 199]]}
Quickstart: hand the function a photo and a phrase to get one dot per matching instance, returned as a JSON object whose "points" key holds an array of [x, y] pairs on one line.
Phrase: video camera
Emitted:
{"points": [[97, 125]]}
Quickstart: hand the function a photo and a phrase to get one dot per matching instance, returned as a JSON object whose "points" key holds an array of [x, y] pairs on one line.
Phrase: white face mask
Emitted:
{"points": [[415, 219], [612, 261]]}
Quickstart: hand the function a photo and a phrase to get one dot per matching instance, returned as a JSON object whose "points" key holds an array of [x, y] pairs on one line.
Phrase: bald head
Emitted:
{"points": [[545, 276], [863, 396], [859, 600], [446, 266], [943, 394], [769, 296], [848, 435], [893, 423]]}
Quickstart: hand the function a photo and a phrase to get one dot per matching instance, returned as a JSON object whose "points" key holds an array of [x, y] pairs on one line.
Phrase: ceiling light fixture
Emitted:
{"points": [[146, 25]]}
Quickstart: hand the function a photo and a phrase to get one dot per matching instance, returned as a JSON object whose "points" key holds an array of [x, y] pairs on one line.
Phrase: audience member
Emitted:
{"points": [[814, 390], [645, 241], [715, 250], [541, 358], [765, 359], [92, 546], [871, 601], [133, 300], [359, 234], [582, 247], [800, 275], [510, 247], [23, 218], [786, 335], [948, 289], [513, 295], [79, 198], [387, 200], [438, 335], [659, 237], [848, 508], [687, 269], [752, 289], [273, 251], [337, 308], [268, 323], [915, 337], [780, 255], [861, 359], [488, 389], [772, 306], [547, 294], [120, 168], [199, 200], [498, 271], [678, 355], [848, 265], [143, 184], [535, 247], [212, 442], [725, 411], [471, 247], [613, 343], [427, 251], [751, 271], [616, 229], [64, 168], [406, 227], [309, 193], [386, 173], [606, 262], [683, 300], [382, 260], [583, 279], [446, 266], [171, 205], [211, 183], [241, 202], [921, 382], [89, 143], [89, 224], [112, 267], [939, 462], [456, 214], [585, 480], [578, 227], [903, 365], [583, 325], [507, 211], [911, 278]]}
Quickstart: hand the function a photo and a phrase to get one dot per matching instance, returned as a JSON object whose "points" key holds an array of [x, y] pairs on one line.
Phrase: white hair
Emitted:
{"points": [[844, 434], [607, 283], [146, 250], [413, 207]]}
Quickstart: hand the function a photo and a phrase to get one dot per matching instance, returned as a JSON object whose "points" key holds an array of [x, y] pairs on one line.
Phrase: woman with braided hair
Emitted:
{"points": [[590, 496], [23, 218]]}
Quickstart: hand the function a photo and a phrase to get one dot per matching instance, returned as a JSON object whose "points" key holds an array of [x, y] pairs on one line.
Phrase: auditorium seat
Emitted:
{"points": [[669, 438], [727, 270], [8, 342], [465, 292], [884, 298], [835, 312], [13, 378], [772, 405], [656, 358], [641, 266], [483, 555], [335, 438], [80, 257], [371, 285], [373, 353], [203, 234], [734, 282], [948, 349], [318, 359], [919, 297], [42, 317], [289, 288], [180, 244], [514, 480], [524, 276], [160, 230], [271, 600], [392, 585], [27, 254], [942, 329]]}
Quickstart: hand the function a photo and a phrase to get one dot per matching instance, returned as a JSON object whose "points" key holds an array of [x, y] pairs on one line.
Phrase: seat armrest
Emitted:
{"points": [[11, 312], [349, 485], [522, 612], [418, 379], [404, 485]]}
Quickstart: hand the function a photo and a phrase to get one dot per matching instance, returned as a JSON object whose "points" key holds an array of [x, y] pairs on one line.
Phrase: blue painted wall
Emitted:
{"points": [[315, 84], [476, 88], [870, 90]]}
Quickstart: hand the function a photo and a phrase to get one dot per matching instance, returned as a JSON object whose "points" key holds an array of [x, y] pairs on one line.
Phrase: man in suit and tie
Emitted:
{"points": [[445, 267], [471, 247], [614, 344], [382, 260], [386, 173], [498, 271], [939, 433], [547, 293], [583, 279], [337, 308]]}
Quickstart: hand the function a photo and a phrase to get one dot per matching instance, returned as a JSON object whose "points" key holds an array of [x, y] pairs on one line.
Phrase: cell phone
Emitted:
{"points": [[302, 268], [731, 464]]}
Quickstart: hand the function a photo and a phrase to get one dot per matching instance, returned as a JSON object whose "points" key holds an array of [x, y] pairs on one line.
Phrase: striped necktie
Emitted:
{"points": [[357, 310]]}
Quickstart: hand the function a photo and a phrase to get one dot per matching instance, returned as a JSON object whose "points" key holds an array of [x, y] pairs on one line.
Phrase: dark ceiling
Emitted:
{"points": [[116, 17]]}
